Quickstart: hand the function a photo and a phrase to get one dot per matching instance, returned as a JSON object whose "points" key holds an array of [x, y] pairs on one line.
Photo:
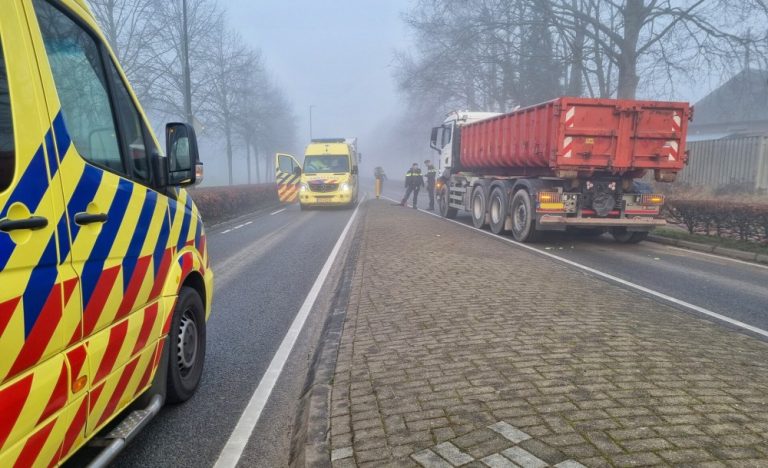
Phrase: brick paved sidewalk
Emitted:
{"points": [[459, 349]]}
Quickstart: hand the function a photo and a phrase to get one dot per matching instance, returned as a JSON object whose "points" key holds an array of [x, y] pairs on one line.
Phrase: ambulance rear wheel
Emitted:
{"points": [[186, 342]]}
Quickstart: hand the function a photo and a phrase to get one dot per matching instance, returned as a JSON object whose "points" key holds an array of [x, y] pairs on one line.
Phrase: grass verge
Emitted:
{"points": [[712, 240]]}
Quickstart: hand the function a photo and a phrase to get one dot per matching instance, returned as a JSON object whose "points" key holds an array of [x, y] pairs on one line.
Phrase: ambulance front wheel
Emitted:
{"points": [[186, 340]]}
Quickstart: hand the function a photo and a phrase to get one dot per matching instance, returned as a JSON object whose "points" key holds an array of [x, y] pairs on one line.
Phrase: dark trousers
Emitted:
{"points": [[415, 191], [431, 192]]}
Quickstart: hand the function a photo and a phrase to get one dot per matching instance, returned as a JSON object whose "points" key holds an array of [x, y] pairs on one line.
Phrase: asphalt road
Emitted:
{"points": [[264, 271], [738, 290]]}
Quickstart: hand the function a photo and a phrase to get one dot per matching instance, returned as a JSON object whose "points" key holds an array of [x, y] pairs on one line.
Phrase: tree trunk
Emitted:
{"points": [[256, 158], [634, 14], [248, 159], [228, 134]]}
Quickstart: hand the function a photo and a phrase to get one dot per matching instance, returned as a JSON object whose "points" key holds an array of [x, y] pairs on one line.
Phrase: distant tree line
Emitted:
{"points": [[495, 55], [184, 62]]}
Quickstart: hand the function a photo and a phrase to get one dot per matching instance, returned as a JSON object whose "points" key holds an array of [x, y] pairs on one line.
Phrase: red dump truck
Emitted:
{"points": [[570, 163]]}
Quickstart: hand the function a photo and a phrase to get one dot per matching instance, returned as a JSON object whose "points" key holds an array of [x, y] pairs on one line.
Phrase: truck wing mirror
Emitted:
{"points": [[433, 139]]}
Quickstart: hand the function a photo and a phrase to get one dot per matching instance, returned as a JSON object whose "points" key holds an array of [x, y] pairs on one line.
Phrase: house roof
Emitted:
{"points": [[743, 98]]}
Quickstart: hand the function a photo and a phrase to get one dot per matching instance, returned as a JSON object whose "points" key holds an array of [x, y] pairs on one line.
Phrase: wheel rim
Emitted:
{"points": [[477, 208], [496, 210], [187, 344], [521, 217]]}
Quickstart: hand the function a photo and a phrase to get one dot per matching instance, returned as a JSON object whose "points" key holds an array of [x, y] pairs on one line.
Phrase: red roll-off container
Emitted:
{"points": [[579, 134]]}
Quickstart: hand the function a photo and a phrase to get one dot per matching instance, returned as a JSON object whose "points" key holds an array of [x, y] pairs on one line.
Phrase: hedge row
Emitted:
{"points": [[731, 219], [217, 204]]}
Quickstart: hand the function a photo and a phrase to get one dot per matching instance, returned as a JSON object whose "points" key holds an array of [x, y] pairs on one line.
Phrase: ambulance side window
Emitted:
{"points": [[7, 145], [133, 132], [78, 72]]}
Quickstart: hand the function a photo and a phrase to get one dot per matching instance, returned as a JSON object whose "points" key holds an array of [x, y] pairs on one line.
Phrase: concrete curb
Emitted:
{"points": [[713, 249], [310, 443]]}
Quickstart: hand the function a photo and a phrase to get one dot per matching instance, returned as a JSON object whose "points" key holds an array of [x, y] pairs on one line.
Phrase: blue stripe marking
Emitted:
{"points": [[139, 236], [95, 264], [40, 285], [63, 139], [198, 234], [29, 191], [185, 224], [53, 161], [84, 193], [162, 241]]}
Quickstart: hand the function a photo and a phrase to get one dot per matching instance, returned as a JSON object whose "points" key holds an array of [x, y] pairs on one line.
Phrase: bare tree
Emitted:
{"points": [[128, 29]]}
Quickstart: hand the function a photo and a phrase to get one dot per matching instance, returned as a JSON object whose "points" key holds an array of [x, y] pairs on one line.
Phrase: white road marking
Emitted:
{"points": [[228, 230], [720, 257], [610, 277], [278, 211], [233, 449]]}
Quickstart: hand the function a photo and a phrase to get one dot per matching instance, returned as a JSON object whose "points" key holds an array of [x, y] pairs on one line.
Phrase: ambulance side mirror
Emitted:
{"points": [[184, 167]]}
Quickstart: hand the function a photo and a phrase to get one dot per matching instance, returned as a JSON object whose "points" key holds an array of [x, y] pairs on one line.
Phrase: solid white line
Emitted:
{"points": [[706, 254], [237, 441], [278, 211], [615, 279]]}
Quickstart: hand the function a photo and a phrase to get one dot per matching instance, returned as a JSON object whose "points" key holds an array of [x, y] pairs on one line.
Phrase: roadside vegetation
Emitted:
{"points": [[217, 204]]}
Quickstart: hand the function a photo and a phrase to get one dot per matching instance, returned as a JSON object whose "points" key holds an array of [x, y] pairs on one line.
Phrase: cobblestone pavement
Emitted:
{"points": [[459, 349]]}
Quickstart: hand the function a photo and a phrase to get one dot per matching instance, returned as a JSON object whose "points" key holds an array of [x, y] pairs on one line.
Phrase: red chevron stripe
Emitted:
{"points": [[147, 372], [33, 446], [69, 289], [12, 401], [75, 429], [119, 391], [137, 279], [58, 397], [93, 398], [99, 298], [6, 312], [76, 358], [162, 273], [150, 317], [41, 334], [167, 325], [116, 340]]}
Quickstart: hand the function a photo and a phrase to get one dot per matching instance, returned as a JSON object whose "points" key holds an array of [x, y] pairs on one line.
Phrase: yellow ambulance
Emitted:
{"points": [[105, 284], [328, 177]]}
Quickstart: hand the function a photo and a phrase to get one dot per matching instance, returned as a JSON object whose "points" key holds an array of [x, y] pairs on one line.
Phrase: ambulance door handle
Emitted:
{"points": [[87, 218], [33, 222]]}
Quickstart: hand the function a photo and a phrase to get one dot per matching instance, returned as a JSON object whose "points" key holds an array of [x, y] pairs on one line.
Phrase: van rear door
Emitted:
{"points": [[287, 177]]}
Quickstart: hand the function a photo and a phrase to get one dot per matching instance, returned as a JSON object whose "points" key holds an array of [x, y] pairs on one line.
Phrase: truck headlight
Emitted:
{"points": [[344, 187], [303, 188]]}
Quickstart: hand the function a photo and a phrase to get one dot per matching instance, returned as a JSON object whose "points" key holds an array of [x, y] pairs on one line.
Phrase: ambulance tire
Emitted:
{"points": [[186, 341], [303, 207]]}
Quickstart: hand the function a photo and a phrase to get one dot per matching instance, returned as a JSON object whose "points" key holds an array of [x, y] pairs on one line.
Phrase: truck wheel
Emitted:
{"points": [[523, 218], [442, 203], [186, 340], [478, 207], [622, 236], [498, 210]]}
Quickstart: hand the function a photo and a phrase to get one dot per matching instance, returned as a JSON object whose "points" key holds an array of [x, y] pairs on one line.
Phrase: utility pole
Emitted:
{"points": [[185, 63], [310, 121]]}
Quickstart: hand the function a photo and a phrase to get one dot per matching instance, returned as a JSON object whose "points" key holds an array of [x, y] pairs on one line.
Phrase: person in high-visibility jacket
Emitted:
{"points": [[380, 176], [413, 183], [431, 176]]}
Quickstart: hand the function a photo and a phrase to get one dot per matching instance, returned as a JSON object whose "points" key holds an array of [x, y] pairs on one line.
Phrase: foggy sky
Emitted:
{"points": [[336, 55]]}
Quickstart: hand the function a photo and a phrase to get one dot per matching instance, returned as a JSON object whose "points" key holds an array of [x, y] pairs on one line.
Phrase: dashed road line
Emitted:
{"points": [[615, 279], [278, 211]]}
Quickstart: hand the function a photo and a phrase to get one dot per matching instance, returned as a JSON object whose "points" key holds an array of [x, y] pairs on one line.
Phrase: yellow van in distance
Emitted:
{"points": [[329, 176]]}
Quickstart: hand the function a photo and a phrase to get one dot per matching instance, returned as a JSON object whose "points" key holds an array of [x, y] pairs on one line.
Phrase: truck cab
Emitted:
{"points": [[328, 176], [106, 282]]}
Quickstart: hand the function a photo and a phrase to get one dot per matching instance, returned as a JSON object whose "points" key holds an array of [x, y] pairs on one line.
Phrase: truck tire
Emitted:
{"points": [[622, 236], [442, 204], [478, 208], [498, 210], [523, 218], [186, 340]]}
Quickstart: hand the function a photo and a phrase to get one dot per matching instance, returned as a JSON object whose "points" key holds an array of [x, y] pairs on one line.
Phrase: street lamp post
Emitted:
{"points": [[310, 121]]}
